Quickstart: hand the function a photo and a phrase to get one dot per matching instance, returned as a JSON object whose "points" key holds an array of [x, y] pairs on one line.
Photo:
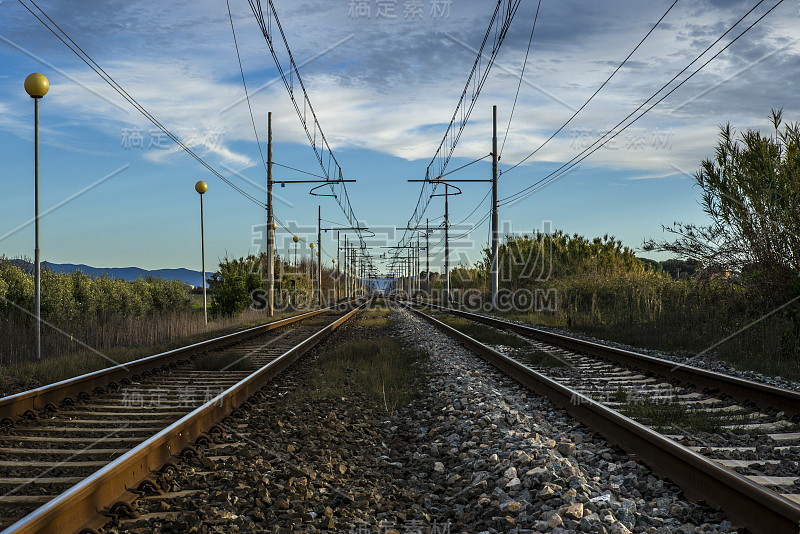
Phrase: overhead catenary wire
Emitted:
{"points": [[298, 170], [476, 207], [475, 81], [463, 166], [599, 143], [575, 114], [244, 83], [92, 64], [325, 157], [521, 75]]}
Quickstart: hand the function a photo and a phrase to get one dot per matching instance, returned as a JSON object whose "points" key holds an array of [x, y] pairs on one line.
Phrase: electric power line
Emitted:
{"points": [[244, 83], [602, 140], [92, 64], [521, 74], [635, 48]]}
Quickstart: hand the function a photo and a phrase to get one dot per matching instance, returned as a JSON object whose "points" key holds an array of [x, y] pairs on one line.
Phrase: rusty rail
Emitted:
{"points": [[114, 483], [745, 502], [742, 390]]}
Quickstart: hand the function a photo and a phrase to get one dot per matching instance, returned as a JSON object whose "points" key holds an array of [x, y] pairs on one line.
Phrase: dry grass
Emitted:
{"points": [[377, 318], [381, 369], [676, 417], [22, 376]]}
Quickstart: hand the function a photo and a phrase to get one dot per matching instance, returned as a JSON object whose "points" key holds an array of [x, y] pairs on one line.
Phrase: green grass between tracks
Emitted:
{"points": [[378, 367]]}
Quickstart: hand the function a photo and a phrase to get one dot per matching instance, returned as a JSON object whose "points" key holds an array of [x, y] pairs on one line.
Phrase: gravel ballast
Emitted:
{"points": [[705, 361], [473, 452]]}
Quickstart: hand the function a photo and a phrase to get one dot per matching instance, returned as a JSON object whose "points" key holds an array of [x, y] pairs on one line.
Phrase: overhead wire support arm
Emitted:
{"points": [[450, 181]]}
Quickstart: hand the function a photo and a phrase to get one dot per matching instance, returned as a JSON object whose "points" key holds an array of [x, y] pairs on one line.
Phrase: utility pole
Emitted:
{"points": [[446, 243], [270, 232], [410, 274], [427, 258], [337, 266], [416, 273], [495, 230], [319, 254]]}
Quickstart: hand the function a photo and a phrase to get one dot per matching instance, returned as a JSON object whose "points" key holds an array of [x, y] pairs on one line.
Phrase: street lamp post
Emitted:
{"points": [[37, 85], [201, 187]]}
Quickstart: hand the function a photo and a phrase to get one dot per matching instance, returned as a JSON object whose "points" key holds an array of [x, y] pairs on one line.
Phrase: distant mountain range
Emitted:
{"points": [[130, 273]]}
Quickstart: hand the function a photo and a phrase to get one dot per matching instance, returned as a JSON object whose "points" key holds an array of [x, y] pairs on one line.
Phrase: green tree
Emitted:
{"points": [[751, 192], [232, 286]]}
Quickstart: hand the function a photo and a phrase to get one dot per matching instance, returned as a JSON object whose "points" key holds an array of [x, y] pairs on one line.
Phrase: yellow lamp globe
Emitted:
{"points": [[295, 239], [37, 85], [274, 225], [201, 187], [312, 245]]}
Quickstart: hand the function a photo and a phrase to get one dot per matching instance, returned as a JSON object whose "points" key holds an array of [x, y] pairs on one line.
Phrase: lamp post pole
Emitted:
{"points": [[201, 187], [37, 85]]}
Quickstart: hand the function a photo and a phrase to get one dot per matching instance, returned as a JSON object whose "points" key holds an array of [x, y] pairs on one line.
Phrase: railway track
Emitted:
{"points": [[747, 465], [75, 453]]}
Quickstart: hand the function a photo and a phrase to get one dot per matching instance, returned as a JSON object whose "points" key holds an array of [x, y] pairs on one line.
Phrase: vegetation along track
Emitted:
{"points": [[732, 443], [76, 452]]}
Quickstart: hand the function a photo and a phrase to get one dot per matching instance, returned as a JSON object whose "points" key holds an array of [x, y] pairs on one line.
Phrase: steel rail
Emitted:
{"points": [[14, 406], [761, 395], [79, 507], [702, 479]]}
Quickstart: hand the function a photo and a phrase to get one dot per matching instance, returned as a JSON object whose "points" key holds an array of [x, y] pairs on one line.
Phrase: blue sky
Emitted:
{"points": [[384, 95]]}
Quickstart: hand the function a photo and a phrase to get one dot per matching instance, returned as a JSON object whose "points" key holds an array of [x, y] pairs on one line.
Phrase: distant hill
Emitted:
{"points": [[130, 273]]}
